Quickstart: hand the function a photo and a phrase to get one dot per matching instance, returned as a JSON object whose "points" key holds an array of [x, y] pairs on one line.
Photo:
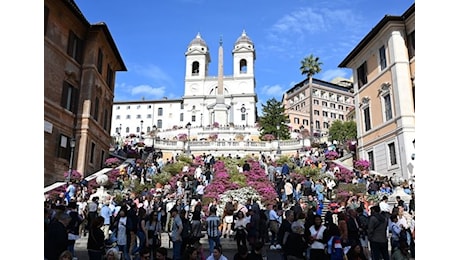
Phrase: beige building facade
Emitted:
{"points": [[383, 65], [80, 63], [331, 102]]}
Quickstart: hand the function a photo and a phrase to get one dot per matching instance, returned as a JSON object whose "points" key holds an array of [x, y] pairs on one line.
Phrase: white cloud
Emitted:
{"points": [[274, 90], [148, 92], [329, 75]]}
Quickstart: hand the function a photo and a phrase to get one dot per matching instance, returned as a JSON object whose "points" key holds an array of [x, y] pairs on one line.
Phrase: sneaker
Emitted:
{"points": [[272, 247], [278, 246]]}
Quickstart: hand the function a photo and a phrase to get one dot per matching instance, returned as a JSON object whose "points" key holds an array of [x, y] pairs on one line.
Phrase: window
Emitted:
{"points": [[243, 117], [64, 147], [128, 107], [317, 124], [315, 102], [370, 155], [102, 160], [332, 105], [159, 123], [325, 113], [181, 117], [138, 129], [106, 119], [149, 106], [181, 105], [340, 107], [324, 103], [305, 122], [333, 115], [367, 119], [392, 153], [138, 106], [109, 78], [195, 68], [193, 118], [118, 117], [93, 149], [96, 109], [316, 112], [383, 58], [74, 47], [127, 129], [69, 99], [387, 107], [362, 75], [296, 120], [411, 44], [128, 116], [138, 116], [325, 125], [160, 111], [118, 107], [243, 66], [341, 117], [47, 12], [149, 115], [99, 60]]}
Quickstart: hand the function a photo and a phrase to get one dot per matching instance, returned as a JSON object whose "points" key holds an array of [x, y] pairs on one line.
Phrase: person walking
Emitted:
{"points": [[377, 234], [56, 236], [175, 233], [96, 245], [212, 229], [240, 230]]}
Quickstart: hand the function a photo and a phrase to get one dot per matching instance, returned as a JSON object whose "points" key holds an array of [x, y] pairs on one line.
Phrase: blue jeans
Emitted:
{"points": [[213, 241], [177, 245], [141, 237], [125, 250]]}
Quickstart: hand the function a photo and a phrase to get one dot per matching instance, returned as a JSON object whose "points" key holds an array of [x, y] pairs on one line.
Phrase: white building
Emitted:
{"points": [[229, 100]]}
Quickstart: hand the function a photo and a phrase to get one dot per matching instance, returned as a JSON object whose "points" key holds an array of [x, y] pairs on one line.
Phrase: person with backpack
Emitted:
{"points": [[186, 232]]}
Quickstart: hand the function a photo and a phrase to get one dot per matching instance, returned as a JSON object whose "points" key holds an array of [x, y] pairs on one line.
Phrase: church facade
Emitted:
{"points": [[208, 100]]}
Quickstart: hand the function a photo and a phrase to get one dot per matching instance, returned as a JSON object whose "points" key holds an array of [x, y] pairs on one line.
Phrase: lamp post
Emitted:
{"points": [[201, 120], [303, 138], [188, 126], [72, 148], [154, 133], [140, 134], [278, 150]]}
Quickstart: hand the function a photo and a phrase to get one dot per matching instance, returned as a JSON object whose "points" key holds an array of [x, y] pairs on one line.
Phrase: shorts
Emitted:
{"points": [[228, 219], [364, 241]]}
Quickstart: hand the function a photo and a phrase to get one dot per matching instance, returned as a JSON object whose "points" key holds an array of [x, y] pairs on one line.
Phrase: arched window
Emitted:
{"points": [[243, 66], [159, 123], [195, 68]]}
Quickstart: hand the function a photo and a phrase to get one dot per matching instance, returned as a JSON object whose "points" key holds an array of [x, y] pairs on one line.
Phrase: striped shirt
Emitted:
{"points": [[212, 223]]}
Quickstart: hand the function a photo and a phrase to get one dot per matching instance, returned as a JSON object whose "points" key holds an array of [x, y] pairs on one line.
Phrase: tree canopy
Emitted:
{"points": [[273, 115], [342, 131]]}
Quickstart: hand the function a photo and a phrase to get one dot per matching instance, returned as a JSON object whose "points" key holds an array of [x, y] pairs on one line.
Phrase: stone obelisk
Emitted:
{"points": [[220, 109]]}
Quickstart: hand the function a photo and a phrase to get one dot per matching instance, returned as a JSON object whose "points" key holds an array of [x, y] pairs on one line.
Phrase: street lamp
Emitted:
{"points": [[188, 126], [303, 138], [154, 133], [140, 134], [72, 148], [278, 150]]}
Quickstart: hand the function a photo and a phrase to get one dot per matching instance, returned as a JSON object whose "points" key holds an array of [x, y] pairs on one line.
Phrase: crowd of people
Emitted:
{"points": [[297, 224]]}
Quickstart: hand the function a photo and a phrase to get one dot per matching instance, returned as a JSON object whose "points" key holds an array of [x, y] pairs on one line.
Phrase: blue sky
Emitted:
{"points": [[152, 37]]}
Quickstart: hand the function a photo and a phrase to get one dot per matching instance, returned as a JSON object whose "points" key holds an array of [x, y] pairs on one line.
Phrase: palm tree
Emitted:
{"points": [[310, 66]]}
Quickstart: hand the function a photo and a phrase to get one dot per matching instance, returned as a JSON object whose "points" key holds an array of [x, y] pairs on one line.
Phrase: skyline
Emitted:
{"points": [[152, 39]]}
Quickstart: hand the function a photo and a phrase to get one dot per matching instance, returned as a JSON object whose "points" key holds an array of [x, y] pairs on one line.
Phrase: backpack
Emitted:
{"points": [[186, 230]]}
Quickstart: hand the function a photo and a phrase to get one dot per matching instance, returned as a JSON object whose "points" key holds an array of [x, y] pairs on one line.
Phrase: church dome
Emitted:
{"points": [[244, 39], [198, 41]]}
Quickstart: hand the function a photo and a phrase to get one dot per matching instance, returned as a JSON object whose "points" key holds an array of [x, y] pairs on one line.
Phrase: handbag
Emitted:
{"points": [[158, 241]]}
